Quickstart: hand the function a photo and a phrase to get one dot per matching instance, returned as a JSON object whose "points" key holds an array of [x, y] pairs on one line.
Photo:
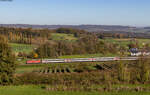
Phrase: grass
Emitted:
{"points": [[121, 42], [36, 67], [88, 56], [21, 47], [62, 36], [125, 42], [27, 69], [131, 85], [125, 93], [37, 90]]}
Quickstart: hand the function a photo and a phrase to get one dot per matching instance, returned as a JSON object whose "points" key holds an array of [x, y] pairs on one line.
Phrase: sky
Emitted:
{"points": [[76, 12]]}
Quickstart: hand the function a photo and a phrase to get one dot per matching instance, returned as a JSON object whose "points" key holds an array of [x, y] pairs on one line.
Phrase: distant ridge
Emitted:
{"points": [[90, 28]]}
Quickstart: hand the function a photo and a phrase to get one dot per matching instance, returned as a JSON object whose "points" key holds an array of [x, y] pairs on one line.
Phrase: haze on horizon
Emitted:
{"points": [[76, 12]]}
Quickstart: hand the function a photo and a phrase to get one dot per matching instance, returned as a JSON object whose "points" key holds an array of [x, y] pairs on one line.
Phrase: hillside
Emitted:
{"points": [[90, 28]]}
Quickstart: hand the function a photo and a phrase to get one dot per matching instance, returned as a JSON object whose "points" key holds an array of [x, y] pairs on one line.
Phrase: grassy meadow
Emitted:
{"points": [[88, 56], [37, 90], [63, 36], [21, 47], [27, 69], [125, 42]]}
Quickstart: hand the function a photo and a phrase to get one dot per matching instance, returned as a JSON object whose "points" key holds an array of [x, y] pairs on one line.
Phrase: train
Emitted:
{"points": [[101, 59]]}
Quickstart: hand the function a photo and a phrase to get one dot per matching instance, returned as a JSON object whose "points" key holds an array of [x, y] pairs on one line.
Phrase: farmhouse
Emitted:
{"points": [[138, 52], [134, 52], [145, 52]]}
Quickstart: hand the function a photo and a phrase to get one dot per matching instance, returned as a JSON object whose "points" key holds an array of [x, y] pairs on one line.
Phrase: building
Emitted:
{"points": [[135, 52], [145, 52], [138, 52]]}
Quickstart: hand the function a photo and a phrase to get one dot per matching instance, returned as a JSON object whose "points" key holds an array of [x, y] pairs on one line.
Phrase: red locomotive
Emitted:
{"points": [[33, 61]]}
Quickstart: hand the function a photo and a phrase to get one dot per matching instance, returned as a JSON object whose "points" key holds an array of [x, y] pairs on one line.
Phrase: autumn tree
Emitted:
{"points": [[7, 62]]}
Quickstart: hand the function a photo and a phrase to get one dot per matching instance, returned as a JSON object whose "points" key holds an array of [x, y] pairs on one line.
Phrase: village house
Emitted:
{"points": [[139, 52]]}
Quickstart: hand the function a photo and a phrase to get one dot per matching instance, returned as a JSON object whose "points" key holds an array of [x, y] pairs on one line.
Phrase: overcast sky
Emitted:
{"points": [[75, 12]]}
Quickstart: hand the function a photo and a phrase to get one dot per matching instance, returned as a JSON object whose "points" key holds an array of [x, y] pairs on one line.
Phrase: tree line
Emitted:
{"points": [[7, 62], [34, 36], [84, 45]]}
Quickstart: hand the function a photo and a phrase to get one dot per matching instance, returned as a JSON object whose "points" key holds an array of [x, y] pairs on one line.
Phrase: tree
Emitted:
{"points": [[7, 62], [89, 42], [132, 45], [143, 65], [47, 50], [33, 55], [123, 75]]}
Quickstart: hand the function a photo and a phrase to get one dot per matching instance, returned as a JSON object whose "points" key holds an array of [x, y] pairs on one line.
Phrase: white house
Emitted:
{"points": [[137, 52]]}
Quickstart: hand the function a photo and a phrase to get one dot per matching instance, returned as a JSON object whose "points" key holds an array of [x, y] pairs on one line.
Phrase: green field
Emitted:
{"points": [[62, 36], [27, 69], [125, 42], [37, 90], [21, 47], [88, 56], [36, 67]]}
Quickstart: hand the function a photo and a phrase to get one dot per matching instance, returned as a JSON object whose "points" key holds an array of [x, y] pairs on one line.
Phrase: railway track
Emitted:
{"points": [[100, 59]]}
